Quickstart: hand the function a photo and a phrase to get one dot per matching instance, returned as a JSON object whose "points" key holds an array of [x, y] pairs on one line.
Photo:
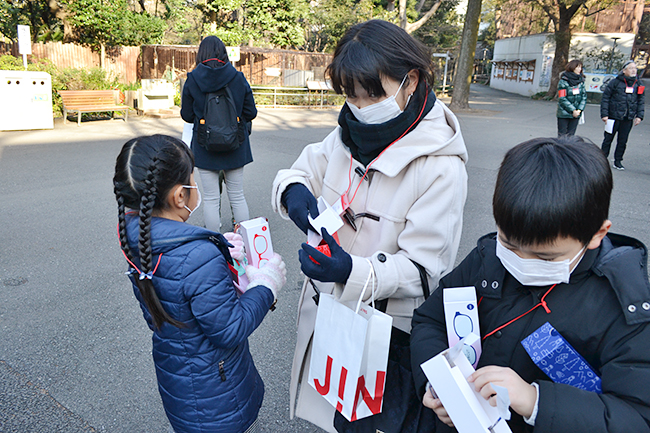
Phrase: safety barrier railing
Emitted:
{"points": [[295, 97]]}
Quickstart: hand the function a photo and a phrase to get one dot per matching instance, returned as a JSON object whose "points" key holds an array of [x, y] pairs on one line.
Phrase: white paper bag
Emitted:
{"points": [[350, 355], [582, 119], [609, 126]]}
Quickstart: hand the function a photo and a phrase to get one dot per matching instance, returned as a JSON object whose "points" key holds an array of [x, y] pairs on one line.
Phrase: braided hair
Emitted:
{"points": [[146, 170]]}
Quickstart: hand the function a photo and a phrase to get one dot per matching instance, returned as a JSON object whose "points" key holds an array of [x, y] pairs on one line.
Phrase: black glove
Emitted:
{"points": [[300, 202], [334, 269]]}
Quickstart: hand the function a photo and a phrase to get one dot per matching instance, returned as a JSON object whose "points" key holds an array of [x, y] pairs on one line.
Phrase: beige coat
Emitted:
{"points": [[418, 189]]}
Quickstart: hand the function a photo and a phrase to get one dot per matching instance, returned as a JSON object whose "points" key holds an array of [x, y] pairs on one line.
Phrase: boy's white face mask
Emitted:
{"points": [[381, 112], [536, 272]]}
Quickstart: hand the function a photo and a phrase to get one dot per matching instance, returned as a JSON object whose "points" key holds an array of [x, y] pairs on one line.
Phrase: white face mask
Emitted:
{"points": [[536, 272], [381, 112], [198, 203]]}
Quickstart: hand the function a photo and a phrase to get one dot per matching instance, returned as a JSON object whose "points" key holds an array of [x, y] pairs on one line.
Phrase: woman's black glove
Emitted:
{"points": [[334, 269], [299, 202]]}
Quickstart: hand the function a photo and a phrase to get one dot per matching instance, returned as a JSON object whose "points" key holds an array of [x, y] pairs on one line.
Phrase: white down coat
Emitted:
{"points": [[417, 188]]}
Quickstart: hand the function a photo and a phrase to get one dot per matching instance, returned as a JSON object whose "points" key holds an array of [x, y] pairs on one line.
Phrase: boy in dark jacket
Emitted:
{"points": [[624, 102], [552, 261]]}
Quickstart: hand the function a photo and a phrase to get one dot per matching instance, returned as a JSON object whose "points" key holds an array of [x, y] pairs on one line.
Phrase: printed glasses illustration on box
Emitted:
{"points": [[260, 245], [463, 326]]}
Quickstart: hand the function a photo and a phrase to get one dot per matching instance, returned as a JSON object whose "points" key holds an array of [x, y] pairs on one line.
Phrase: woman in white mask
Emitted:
{"points": [[395, 168]]}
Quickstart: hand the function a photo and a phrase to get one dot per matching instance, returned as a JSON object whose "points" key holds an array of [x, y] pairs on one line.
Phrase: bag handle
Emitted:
{"points": [[371, 275]]}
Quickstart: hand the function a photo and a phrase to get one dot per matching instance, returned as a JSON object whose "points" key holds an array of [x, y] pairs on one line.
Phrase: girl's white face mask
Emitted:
{"points": [[381, 112], [536, 272], [198, 203]]}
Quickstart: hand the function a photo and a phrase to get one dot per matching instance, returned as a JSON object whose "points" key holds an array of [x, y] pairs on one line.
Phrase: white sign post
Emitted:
{"points": [[24, 43]]}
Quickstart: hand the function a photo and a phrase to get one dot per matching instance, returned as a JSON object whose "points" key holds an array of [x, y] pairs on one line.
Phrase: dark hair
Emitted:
{"points": [[572, 65], [549, 188], [211, 47], [146, 170], [375, 49]]}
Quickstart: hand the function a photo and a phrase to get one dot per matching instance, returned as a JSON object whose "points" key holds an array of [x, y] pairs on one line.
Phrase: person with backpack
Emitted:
{"points": [[219, 102], [180, 275]]}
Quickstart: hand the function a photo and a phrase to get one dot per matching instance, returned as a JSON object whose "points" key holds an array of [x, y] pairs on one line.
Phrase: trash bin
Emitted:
{"points": [[26, 101]]}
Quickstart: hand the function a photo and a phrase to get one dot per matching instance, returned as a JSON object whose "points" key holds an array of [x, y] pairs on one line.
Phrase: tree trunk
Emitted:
{"points": [[61, 14], [562, 45], [463, 76], [402, 14]]}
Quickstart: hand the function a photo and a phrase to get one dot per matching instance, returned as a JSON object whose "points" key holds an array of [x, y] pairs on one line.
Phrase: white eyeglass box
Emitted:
{"points": [[469, 411], [257, 240], [461, 318]]}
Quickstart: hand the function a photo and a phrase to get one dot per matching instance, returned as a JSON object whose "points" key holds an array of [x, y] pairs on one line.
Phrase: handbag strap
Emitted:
{"points": [[424, 281]]}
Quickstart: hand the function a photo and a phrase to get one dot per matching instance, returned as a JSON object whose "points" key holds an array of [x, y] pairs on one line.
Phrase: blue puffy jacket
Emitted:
{"points": [[206, 376]]}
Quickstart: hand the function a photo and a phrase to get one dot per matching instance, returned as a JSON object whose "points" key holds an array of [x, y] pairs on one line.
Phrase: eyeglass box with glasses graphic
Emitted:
{"points": [[461, 317], [257, 240]]}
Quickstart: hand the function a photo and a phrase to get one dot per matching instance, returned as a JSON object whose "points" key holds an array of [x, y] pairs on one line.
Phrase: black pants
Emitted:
{"points": [[623, 128], [567, 126]]}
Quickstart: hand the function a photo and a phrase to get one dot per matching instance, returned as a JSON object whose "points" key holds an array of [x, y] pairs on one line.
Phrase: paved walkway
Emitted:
{"points": [[75, 355]]}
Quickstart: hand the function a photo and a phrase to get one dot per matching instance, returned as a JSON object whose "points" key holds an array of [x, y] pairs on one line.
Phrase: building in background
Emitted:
{"points": [[602, 39]]}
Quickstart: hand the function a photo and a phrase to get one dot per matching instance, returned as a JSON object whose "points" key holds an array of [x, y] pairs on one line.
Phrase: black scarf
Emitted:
{"points": [[572, 78], [366, 142]]}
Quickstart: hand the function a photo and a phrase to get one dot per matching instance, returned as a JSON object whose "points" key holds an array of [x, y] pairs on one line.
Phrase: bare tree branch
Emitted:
{"points": [[410, 28]]}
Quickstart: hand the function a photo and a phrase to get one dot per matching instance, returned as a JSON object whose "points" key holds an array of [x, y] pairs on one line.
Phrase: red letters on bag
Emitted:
{"points": [[324, 389], [561, 93], [374, 404]]}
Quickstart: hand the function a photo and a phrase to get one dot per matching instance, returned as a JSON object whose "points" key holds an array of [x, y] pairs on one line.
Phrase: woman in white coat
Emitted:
{"points": [[398, 158]]}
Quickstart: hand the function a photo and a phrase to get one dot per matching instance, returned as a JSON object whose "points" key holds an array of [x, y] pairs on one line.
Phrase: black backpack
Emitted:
{"points": [[220, 130]]}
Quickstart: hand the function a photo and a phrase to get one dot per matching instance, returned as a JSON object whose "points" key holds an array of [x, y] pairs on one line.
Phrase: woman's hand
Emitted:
{"points": [[576, 113], [637, 120], [436, 405], [334, 269], [300, 203], [523, 395]]}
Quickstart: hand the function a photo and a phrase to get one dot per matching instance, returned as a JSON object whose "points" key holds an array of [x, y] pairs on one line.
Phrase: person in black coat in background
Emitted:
{"points": [[552, 261], [624, 101], [214, 71]]}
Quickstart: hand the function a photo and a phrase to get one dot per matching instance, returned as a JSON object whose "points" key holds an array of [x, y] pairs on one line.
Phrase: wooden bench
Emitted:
{"points": [[90, 101]]}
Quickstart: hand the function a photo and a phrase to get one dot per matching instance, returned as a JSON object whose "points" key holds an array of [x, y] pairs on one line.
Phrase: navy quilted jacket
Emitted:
{"points": [[206, 376]]}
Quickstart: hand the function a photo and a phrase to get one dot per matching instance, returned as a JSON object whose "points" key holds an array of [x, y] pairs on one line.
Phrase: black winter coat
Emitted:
{"points": [[603, 312], [201, 81], [619, 105]]}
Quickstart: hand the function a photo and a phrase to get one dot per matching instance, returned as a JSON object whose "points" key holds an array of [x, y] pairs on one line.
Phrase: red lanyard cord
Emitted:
{"points": [[142, 276], [218, 60], [542, 302], [626, 85], [426, 97]]}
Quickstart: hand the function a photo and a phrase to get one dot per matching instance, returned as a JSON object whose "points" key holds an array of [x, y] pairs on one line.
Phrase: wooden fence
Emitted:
{"points": [[129, 64], [121, 62], [257, 64]]}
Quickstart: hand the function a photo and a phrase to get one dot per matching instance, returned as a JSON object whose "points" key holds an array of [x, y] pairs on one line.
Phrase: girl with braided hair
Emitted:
{"points": [[180, 276]]}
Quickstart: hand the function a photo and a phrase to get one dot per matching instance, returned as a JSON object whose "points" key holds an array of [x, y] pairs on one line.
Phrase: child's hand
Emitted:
{"points": [[436, 405], [272, 274], [237, 251], [523, 395]]}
